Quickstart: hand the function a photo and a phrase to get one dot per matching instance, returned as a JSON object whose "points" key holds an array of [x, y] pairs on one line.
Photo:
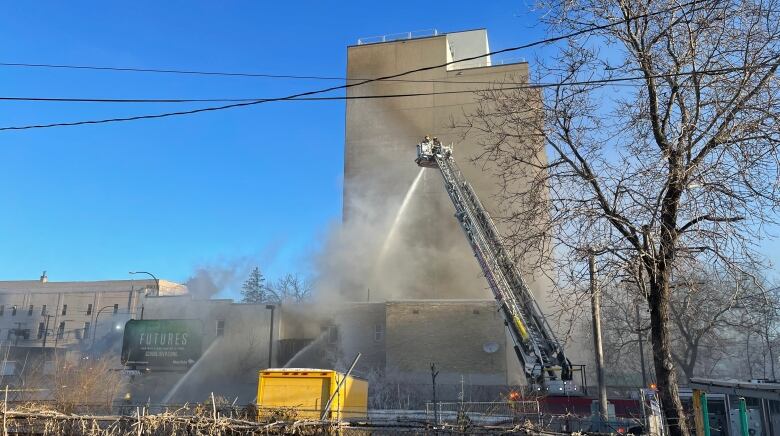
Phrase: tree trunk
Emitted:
{"points": [[662, 358]]}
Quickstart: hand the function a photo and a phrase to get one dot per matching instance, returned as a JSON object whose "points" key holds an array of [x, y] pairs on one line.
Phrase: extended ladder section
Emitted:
{"points": [[534, 342]]}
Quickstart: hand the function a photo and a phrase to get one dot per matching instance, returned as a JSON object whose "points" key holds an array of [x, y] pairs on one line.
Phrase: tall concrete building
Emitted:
{"points": [[402, 211], [428, 250]]}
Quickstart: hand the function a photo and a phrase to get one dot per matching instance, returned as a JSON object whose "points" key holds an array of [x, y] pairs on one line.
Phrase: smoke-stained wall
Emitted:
{"points": [[422, 253], [428, 256], [464, 338], [235, 346]]}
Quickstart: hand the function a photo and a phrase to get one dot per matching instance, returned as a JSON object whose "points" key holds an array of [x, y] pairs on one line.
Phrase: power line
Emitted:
{"points": [[223, 73], [350, 85], [607, 81]]}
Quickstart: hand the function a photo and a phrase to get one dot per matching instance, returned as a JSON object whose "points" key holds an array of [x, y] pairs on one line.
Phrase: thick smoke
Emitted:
{"points": [[397, 254], [224, 277]]}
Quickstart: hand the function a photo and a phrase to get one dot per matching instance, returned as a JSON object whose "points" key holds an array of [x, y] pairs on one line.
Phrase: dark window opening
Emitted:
{"points": [[116, 309], [64, 309], [30, 310], [220, 327], [61, 330], [13, 310], [89, 309], [333, 334], [41, 329], [43, 310]]}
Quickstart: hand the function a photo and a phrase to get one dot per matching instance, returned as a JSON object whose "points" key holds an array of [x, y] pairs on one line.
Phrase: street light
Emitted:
{"points": [[271, 307], [156, 280], [97, 320]]}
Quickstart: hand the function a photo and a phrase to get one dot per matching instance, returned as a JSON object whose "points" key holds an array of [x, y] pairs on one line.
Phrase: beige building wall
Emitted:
{"points": [[379, 161], [238, 332], [76, 312], [462, 337]]}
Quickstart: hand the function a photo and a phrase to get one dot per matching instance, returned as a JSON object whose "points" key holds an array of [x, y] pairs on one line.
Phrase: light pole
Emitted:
{"points": [[97, 320], [46, 330], [271, 307], [156, 280], [57, 336]]}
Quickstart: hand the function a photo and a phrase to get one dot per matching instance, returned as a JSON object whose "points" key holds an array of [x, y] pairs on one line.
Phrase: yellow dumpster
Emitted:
{"points": [[304, 392]]}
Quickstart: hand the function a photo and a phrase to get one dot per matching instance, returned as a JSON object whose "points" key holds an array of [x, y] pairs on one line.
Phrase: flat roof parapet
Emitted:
{"points": [[425, 33]]}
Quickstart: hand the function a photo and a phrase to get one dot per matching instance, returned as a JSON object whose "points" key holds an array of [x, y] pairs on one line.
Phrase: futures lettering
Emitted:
{"points": [[163, 339]]}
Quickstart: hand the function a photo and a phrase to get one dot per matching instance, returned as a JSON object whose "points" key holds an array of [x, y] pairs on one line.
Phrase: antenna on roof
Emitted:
{"points": [[44, 277]]}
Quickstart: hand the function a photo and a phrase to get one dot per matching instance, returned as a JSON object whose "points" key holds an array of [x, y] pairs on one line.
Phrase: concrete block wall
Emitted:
{"points": [[463, 338]]}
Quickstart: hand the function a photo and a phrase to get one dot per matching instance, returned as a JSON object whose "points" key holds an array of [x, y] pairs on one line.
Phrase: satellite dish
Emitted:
{"points": [[490, 347]]}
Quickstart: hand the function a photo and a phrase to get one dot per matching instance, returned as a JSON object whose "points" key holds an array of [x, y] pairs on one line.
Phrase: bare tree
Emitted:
{"points": [[293, 288], [679, 162], [758, 326], [710, 314], [77, 382], [702, 304]]}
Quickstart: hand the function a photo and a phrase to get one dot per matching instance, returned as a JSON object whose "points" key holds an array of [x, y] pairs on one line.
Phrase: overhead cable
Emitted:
{"points": [[227, 74], [606, 81], [351, 85]]}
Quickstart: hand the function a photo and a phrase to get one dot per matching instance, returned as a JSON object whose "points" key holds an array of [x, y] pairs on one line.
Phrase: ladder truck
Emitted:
{"points": [[541, 355]]}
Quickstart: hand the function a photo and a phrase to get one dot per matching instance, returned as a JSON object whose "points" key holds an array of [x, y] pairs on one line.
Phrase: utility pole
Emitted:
{"points": [[46, 330], [641, 346], [434, 373], [595, 305]]}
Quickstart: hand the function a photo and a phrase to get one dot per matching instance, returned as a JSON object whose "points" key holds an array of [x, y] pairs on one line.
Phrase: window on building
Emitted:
{"points": [[89, 309], [8, 335], [116, 309], [43, 310], [475, 311], [2, 309], [220, 327], [333, 334], [378, 332], [61, 330], [29, 310], [77, 333], [86, 329], [41, 329], [26, 334], [64, 309], [415, 311], [13, 310]]}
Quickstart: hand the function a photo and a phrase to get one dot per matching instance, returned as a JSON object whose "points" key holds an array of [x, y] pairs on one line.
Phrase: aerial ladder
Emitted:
{"points": [[541, 355]]}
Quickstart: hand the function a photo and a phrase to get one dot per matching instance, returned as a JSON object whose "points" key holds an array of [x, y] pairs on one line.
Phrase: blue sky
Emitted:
{"points": [[166, 196], [260, 185]]}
